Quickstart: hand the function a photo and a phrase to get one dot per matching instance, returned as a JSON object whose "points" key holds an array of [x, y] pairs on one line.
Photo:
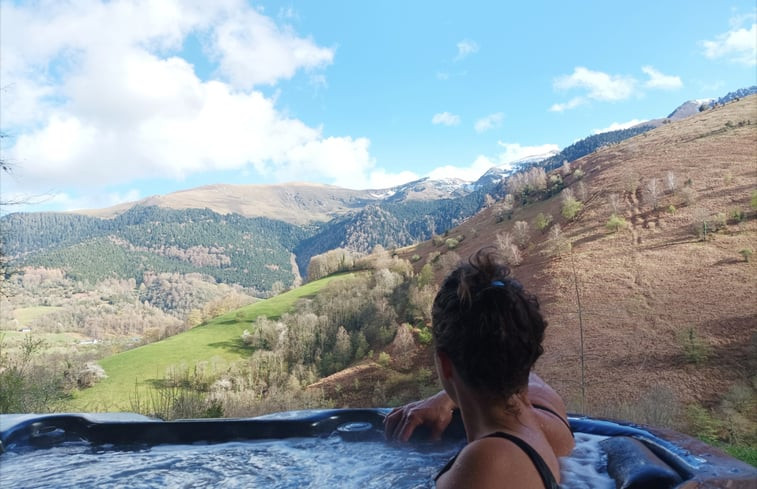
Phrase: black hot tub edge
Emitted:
{"points": [[638, 456]]}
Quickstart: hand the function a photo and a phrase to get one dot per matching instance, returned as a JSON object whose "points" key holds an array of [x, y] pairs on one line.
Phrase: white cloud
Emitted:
{"points": [[445, 119], [465, 48], [598, 85], [96, 94], [603, 87], [658, 80], [509, 153], [514, 151], [63, 201], [380, 179], [470, 173], [571, 104], [253, 50], [489, 122], [738, 45], [616, 126]]}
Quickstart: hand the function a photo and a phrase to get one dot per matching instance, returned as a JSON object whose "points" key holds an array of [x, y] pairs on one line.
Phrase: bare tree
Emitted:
{"points": [[581, 192], [521, 233], [615, 203], [558, 244], [653, 192], [671, 182], [509, 249]]}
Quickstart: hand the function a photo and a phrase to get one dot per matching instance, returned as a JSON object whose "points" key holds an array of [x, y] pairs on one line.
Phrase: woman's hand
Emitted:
{"points": [[434, 412]]}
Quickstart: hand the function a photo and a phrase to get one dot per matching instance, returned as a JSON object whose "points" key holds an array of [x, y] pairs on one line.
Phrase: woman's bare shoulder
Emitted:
{"points": [[487, 463]]}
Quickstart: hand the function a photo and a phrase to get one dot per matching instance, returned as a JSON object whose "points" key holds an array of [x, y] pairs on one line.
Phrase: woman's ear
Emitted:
{"points": [[445, 364]]}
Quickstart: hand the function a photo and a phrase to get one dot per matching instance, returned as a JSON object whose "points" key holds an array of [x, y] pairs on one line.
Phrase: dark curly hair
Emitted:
{"points": [[488, 325]]}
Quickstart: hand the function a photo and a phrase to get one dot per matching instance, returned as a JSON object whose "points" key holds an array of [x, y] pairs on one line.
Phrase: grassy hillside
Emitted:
{"points": [[215, 342]]}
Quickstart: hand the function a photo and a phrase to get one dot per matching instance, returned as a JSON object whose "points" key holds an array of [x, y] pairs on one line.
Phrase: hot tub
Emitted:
{"points": [[322, 448]]}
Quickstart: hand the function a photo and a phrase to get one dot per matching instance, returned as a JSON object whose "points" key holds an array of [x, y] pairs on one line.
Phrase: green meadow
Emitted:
{"points": [[26, 315], [216, 342]]}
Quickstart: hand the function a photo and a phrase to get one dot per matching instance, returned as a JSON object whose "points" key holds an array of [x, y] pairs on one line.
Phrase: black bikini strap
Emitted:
{"points": [[545, 408], [541, 466]]}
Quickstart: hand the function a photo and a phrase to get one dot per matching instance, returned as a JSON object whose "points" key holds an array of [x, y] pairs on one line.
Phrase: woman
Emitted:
{"points": [[488, 334]]}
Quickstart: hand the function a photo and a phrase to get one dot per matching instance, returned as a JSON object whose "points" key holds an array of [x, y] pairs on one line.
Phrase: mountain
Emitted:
{"points": [[295, 203], [260, 235]]}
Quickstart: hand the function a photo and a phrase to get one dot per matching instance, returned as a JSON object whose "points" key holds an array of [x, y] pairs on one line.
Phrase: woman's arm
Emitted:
{"points": [[434, 412]]}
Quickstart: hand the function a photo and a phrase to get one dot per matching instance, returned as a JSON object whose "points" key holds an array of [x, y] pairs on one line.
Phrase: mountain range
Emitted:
{"points": [[261, 235]]}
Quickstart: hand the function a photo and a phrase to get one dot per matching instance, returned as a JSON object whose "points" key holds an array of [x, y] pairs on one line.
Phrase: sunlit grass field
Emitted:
{"points": [[217, 342]]}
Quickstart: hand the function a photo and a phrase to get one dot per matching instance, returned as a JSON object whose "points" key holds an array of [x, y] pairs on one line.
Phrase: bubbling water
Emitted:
{"points": [[277, 464]]}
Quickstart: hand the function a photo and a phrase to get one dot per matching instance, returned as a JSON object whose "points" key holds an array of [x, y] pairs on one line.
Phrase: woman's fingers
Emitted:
{"points": [[409, 422]]}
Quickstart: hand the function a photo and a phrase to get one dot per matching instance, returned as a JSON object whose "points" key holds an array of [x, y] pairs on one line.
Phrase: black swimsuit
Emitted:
{"points": [[539, 463], [564, 421]]}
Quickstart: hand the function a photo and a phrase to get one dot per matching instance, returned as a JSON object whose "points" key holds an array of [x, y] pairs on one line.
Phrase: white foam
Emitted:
{"points": [[586, 467], [276, 464]]}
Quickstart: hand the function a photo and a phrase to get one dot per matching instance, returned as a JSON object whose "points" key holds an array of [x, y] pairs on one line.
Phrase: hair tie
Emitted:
{"points": [[498, 283]]}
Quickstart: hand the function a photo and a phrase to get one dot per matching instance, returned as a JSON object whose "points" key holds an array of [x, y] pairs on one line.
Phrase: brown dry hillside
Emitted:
{"points": [[665, 314]]}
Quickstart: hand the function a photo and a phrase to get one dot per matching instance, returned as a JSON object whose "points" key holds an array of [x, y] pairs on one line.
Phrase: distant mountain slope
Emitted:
{"points": [[296, 203], [590, 144], [252, 252]]}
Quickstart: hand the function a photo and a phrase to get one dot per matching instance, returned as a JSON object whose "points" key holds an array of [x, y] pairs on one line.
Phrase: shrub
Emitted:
{"points": [[543, 221], [570, 208], [424, 336], [451, 243], [746, 253], [616, 223], [415, 258], [89, 375], [702, 424], [705, 223], [738, 215], [688, 194], [384, 359], [578, 174], [672, 209], [695, 349]]}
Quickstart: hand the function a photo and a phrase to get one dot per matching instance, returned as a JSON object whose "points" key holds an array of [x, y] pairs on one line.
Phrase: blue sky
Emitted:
{"points": [[105, 102]]}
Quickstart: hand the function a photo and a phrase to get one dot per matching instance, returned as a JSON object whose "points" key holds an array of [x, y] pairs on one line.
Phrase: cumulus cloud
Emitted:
{"points": [[598, 85], [489, 122], [658, 80], [97, 94], [445, 119], [738, 45], [603, 87], [465, 48]]}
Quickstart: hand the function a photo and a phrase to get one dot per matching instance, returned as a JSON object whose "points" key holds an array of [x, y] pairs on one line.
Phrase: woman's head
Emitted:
{"points": [[488, 325]]}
